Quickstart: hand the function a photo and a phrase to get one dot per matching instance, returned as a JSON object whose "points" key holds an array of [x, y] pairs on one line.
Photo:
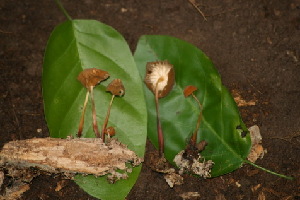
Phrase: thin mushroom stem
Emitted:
{"points": [[160, 134], [194, 136], [95, 126], [106, 119], [80, 128]]}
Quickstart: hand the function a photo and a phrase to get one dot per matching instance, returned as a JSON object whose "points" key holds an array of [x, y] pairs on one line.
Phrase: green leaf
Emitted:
{"points": [[100, 188], [179, 115], [76, 45]]}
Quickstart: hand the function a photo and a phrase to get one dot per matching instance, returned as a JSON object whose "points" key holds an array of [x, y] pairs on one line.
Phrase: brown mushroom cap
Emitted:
{"points": [[163, 72], [116, 87], [92, 76], [110, 131], [189, 90]]}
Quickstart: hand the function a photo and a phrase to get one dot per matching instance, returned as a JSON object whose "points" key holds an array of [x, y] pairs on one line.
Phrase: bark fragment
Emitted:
{"points": [[84, 155]]}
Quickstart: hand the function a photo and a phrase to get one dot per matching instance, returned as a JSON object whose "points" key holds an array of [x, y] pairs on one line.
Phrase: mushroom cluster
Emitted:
{"points": [[90, 78], [116, 88]]}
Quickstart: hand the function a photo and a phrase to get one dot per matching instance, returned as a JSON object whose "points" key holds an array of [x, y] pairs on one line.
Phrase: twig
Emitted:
{"points": [[198, 9], [61, 7], [223, 12], [6, 32], [288, 138]]}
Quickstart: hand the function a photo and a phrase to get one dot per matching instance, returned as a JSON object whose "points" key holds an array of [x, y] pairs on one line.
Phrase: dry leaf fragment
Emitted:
{"points": [[255, 188], [15, 191], [238, 184], [115, 176], [257, 150], [60, 185], [160, 165], [240, 101], [190, 195], [173, 179], [261, 196]]}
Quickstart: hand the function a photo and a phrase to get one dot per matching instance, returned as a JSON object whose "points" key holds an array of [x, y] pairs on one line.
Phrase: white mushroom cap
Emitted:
{"points": [[160, 74]]}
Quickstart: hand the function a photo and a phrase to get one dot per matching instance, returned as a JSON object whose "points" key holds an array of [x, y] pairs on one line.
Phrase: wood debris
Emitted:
{"points": [[190, 195], [84, 155], [1, 178], [15, 191], [60, 185], [173, 179], [261, 196], [196, 165], [161, 165]]}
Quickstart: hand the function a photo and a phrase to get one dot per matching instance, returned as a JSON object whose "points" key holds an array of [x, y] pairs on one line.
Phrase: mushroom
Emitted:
{"points": [[89, 78], [116, 88], [110, 131], [160, 78], [189, 90]]}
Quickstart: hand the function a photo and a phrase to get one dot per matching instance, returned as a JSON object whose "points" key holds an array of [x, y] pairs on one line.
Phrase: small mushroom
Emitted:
{"points": [[160, 78], [116, 88], [189, 90], [89, 78], [110, 131]]}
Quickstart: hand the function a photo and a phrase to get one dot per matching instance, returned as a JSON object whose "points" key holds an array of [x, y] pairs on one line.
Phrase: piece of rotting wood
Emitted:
{"points": [[80, 155]]}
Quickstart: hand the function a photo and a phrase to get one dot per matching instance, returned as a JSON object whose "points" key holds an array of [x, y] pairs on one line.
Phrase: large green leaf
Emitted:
{"points": [[179, 116], [72, 47]]}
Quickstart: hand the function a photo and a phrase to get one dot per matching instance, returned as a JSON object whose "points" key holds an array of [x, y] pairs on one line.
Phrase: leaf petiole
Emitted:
{"points": [[269, 171], [61, 7]]}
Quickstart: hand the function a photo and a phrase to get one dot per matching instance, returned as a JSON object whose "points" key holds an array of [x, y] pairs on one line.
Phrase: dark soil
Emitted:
{"points": [[255, 45]]}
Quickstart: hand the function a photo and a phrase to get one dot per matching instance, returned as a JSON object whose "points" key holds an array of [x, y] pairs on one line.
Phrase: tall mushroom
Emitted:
{"points": [[89, 78], [189, 90], [160, 78], [116, 88]]}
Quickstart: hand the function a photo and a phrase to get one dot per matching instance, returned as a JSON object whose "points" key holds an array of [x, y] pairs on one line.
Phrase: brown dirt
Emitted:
{"points": [[254, 45]]}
